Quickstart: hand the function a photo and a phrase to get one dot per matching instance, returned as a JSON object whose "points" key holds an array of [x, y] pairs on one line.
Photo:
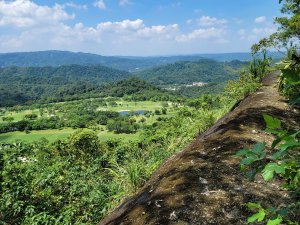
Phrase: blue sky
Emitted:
{"points": [[135, 27]]}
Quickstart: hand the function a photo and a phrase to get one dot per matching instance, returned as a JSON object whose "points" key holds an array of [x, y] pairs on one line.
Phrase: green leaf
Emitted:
{"points": [[277, 132], [252, 205], [288, 145], [275, 221], [270, 169], [249, 160], [258, 148], [277, 155], [243, 152], [257, 216], [272, 122]]}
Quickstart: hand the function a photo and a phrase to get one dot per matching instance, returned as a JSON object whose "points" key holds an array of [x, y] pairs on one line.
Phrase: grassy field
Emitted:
{"points": [[122, 106], [133, 106], [53, 135], [19, 115]]}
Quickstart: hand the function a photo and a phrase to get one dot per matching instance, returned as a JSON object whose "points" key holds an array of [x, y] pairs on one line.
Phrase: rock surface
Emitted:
{"points": [[203, 183]]}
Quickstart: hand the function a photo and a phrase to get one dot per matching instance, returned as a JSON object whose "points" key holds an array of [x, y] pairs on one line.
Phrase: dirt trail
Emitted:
{"points": [[203, 183]]}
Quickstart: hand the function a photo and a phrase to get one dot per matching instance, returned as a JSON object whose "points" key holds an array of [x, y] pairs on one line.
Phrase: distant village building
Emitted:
{"points": [[200, 84], [196, 84]]}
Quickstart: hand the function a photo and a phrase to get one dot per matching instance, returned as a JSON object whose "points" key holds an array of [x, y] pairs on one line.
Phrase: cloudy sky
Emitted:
{"points": [[135, 27]]}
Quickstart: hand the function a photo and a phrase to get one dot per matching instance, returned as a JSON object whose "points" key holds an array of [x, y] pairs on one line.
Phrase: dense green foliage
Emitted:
{"points": [[19, 85], [136, 90], [289, 81], [53, 84], [195, 91], [258, 67], [78, 114], [188, 72], [78, 180]]}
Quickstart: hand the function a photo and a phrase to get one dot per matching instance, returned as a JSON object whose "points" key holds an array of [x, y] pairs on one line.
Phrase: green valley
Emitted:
{"points": [[101, 132], [149, 112]]}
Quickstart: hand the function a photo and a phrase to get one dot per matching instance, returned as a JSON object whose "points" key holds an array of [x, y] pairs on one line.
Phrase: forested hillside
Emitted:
{"points": [[188, 72], [19, 85], [58, 58]]}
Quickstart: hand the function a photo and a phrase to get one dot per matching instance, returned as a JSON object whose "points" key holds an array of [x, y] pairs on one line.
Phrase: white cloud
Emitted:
{"points": [[124, 2], [260, 19], [202, 34], [100, 4], [68, 36], [264, 31], [75, 6], [210, 21], [39, 27], [25, 13], [52, 37], [130, 30], [160, 31], [256, 33], [122, 26]]}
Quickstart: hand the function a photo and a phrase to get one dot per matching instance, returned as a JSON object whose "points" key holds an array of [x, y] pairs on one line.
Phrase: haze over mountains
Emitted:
{"points": [[128, 63]]}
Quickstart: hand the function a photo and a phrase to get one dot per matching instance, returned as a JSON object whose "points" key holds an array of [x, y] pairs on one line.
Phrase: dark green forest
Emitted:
{"points": [[19, 85], [188, 72]]}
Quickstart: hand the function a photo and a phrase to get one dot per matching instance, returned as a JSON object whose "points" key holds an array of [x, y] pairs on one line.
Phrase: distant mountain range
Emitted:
{"points": [[187, 72], [50, 76], [59, 58]]}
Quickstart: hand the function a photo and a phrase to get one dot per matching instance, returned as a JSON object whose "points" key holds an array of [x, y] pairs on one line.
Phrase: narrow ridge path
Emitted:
{"points": [[203, 183]]}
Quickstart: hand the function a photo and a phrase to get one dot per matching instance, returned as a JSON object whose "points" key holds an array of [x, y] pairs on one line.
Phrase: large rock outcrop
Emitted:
{"points": [[203, 183]]}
